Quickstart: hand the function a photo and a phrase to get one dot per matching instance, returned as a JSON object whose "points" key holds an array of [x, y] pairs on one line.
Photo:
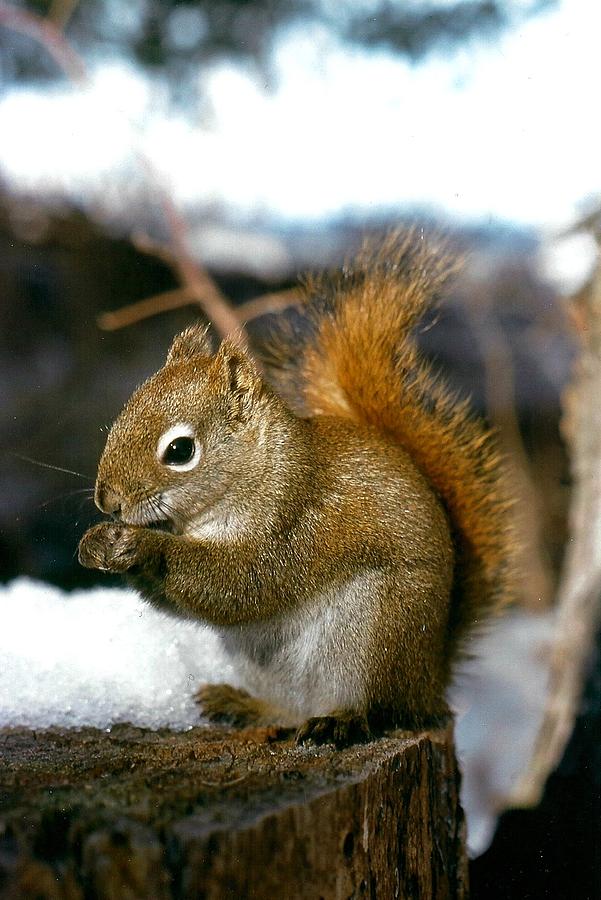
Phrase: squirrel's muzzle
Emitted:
{"points": [[106, 499]]}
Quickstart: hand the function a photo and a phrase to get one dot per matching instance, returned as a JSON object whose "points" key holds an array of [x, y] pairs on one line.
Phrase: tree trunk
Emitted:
{"points": [[218, 814]]}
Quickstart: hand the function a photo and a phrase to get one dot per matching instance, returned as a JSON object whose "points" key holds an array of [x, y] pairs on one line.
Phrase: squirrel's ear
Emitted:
{"points": [[194, 341], [240, 374]]}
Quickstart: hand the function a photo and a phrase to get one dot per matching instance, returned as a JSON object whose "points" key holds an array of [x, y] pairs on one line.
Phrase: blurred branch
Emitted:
{"points": [[159, 303], [579, 601], [273, 302], [591, 222], [196, 280], [269, 303], [147, 245], [501, 404], [49, 36], [197, 285], [144, 309], [61, 11]]}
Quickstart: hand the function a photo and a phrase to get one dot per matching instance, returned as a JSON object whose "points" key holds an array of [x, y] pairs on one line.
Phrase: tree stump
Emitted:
{"points": [[212, 813]]}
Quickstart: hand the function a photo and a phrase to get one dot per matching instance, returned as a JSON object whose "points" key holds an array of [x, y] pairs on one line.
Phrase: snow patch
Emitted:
{"points": [[98, 657], [501, 130]]}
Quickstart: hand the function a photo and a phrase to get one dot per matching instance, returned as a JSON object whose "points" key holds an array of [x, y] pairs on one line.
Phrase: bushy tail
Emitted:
{"points": [[362, 363]]}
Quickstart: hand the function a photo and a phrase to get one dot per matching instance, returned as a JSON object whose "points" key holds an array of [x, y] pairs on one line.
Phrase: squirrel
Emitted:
{"points": [[343, 544]]}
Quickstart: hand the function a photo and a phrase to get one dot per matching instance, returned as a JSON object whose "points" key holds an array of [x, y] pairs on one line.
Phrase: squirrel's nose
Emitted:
{"points": [[106, 499]]}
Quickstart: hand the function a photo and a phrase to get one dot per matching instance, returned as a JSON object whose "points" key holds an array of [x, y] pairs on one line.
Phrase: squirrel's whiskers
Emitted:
{"points": [[46, 465]]}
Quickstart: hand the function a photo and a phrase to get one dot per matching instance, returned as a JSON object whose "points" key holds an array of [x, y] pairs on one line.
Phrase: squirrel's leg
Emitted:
{"points": [[342, 727], [174, 572], [224, 703]]}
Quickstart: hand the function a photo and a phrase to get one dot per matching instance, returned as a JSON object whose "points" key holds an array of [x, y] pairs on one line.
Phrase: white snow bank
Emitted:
{"points": [[505, 129], [98, 657]]}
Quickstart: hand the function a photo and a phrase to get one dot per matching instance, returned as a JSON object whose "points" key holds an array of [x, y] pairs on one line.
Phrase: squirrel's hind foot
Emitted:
{"points": [[341, 728], [234, 706]]}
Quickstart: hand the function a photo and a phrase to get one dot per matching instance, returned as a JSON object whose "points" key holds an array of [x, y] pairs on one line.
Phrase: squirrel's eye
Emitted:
{"points": [[179, 448], [179, 451]]}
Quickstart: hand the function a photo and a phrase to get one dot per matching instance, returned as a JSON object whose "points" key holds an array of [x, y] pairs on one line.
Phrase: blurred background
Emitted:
{"points": [[160, 156]]}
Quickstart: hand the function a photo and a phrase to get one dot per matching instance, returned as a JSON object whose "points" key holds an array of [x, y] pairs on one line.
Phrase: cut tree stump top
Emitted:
{"points": [[214, 813]]}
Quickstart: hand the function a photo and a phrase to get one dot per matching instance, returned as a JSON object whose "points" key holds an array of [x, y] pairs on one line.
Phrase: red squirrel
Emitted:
{"points": [[342, 543]]}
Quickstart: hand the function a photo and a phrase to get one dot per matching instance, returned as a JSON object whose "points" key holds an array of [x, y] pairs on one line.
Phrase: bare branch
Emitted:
{"points": [[500, 397], [147, 245], [159, 303], [49, 36], [196, 280], [268, 303], [144, 309]]}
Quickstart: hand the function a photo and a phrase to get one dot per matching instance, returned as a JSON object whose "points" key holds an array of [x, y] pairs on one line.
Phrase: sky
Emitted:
{"points": [[504, 131]]}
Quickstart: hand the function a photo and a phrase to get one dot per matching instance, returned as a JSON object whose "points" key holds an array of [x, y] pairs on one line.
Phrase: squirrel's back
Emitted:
{"points": [[361, 362]]}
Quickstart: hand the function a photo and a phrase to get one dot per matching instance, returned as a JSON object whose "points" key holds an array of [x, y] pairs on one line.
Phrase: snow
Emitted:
{"points": [[103, 656], [504, 130], [98, 657], [568, 261]]}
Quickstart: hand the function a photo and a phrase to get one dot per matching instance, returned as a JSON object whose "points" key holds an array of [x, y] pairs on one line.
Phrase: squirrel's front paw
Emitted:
{"points": [[110, 546]]}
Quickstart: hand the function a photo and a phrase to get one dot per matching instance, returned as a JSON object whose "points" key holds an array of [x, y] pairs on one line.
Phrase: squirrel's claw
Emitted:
{"points": [[340, 728]]}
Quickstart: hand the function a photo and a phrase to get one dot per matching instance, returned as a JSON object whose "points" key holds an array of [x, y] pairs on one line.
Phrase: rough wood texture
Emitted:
{"points": [[217, 814]]}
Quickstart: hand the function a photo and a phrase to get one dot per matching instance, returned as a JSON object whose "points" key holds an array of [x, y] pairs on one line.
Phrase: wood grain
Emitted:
{"points": [[221, 814]]}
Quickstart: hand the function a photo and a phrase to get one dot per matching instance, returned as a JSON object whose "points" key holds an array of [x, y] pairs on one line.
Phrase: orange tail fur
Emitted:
{"points": [[362, 363]]}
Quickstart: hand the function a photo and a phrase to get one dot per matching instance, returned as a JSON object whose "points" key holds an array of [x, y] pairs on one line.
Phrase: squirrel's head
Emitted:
{"points": [[185, 436]]}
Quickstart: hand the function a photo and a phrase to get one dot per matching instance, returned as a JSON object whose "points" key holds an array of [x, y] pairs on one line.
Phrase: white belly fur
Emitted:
{"points": [[313, 661]]}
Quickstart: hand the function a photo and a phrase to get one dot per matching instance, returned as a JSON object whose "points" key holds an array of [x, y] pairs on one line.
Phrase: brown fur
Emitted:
{"points": [[341, 556], [363, 364]]}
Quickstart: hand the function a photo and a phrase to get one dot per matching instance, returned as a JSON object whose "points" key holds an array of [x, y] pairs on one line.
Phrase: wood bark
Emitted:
{"points": [[218, 814]]}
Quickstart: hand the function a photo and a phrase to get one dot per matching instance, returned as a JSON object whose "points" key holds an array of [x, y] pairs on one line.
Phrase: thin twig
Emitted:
{"points": [[49, 36], [196, 279], [144, 309], [150, 247], [501, 405], [274, 302]]}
